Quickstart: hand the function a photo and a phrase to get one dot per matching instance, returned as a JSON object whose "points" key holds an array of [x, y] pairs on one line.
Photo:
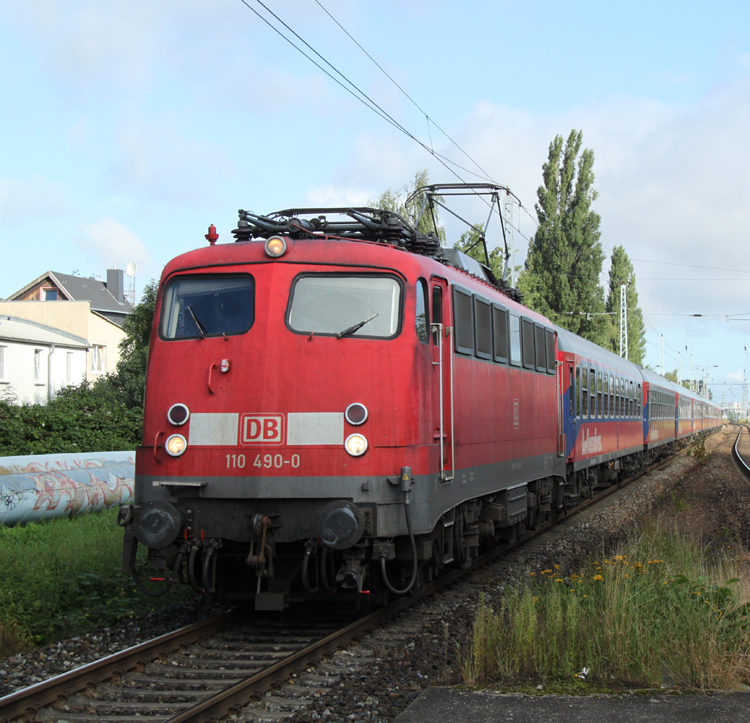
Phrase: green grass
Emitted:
{"points": [[660, 612], [62, 577]]}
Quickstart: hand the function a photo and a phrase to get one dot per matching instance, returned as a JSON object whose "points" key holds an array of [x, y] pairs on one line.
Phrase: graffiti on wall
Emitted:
{"points": [[62, 485]]}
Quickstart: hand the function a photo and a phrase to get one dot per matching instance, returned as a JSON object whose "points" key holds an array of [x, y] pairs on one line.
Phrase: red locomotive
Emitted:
{"points": [[336, 403]]}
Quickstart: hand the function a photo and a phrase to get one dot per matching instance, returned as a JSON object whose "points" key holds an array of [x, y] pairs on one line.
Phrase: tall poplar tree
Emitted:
{"points": [[561, 275], [621, 271]]}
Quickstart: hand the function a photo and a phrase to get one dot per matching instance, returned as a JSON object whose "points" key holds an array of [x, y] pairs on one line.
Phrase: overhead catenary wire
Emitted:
{"points": [[369, 102], [359, 94], [487, 176]]}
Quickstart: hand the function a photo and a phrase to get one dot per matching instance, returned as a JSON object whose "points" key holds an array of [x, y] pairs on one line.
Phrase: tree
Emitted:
{"points": [[396, 201], [561, 275], [471, 245], [621, 272], [129, 379]]}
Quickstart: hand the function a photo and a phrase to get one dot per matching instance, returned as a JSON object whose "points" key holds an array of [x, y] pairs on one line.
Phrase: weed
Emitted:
{"points": [[656, 612]]}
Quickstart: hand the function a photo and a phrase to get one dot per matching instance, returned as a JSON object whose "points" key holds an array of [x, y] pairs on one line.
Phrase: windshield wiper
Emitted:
{"points": [[354, 328], [198, 325]]}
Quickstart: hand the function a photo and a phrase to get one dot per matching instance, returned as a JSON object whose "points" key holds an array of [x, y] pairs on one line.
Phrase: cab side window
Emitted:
{"points": [[422, 321]]}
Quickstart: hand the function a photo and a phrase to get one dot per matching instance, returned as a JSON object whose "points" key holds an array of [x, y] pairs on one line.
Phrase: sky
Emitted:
{"points": [[130, 126]]}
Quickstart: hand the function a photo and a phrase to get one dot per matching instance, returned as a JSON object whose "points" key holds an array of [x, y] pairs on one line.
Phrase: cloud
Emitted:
{"points": [[112, 245], [335, 196], [219, 47], [29, 201], [155, 162]]}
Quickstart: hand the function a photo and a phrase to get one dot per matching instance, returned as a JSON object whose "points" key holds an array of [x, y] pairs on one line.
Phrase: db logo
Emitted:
{"points": [[262, 429]]}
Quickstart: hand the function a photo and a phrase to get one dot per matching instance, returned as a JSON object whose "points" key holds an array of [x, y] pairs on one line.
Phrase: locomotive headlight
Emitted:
{"points": [[178, 414], [275, 247], [356, 414], [175, 445], [356, 445]]}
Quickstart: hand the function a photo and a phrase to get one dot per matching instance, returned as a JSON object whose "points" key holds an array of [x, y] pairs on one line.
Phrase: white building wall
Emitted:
{"points": [[74, 317], [55, 371]]}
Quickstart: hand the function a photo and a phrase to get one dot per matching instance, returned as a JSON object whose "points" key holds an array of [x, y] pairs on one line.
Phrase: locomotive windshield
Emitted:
{"points": [[207, 306], [346, 305]]}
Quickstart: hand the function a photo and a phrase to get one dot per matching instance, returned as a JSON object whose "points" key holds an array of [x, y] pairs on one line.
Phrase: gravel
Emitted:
{"points": [[377, 678], [21, 671]]}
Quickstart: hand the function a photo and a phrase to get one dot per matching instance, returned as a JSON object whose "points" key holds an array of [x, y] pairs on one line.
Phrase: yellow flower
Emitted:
{"points": [[627, 577], [559, 579], [532, 574], [598, 577], [585, 596], [572, 589], [557, 567], [534, 599]]}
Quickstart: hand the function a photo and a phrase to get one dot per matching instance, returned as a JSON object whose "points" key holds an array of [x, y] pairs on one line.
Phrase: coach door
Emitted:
{"points": [[566, 378], [442, 375]]}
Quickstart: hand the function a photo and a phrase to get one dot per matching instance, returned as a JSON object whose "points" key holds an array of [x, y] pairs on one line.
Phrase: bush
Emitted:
{"points": [[83, 418]]}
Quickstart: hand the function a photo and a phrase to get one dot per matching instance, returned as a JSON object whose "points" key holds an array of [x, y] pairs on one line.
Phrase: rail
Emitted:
{"points": [[241, 692], [745, 466]]}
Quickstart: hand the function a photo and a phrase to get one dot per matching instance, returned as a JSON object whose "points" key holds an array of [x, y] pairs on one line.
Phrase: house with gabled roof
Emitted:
{"points": [[83, 307], [107, 298]]}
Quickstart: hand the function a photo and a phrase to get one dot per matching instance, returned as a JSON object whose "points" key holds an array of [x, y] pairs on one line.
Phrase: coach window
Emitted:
{"points": [[584, 392], [527, 342], [578, 392], [617, 396], [463, 321], [483, 327], [500, 334], [627, 398], [612, 396], [606, 395], [600, 402], [422, 320], [540, 350], [515, 340], [592, 393], [571, 390]]}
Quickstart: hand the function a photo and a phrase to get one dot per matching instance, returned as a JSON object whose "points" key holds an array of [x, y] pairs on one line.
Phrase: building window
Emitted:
{"points": [[98, 359], [50, 295], [38, 379], [2, 364]]}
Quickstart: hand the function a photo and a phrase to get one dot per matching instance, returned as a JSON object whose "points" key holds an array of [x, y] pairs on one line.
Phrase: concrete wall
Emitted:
{"points": [[74, 317]]}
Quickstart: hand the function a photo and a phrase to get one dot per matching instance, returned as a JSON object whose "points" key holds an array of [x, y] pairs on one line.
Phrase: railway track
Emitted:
{"points": [[741, 451], [216, 667]]}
